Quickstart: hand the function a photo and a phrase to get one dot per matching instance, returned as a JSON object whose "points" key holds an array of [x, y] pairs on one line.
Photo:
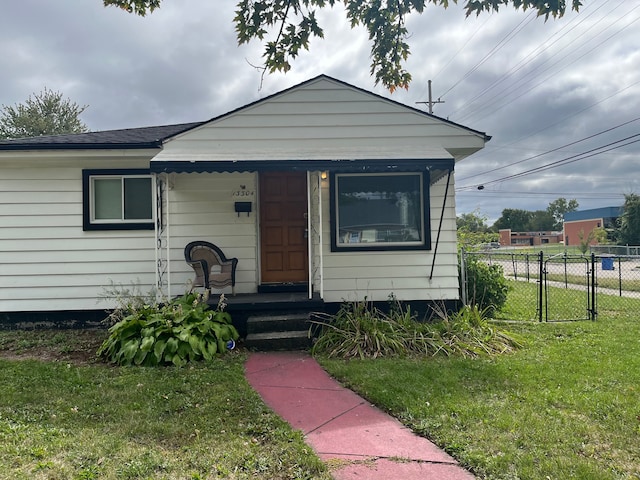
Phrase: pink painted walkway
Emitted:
{"points": [[364, 442]]}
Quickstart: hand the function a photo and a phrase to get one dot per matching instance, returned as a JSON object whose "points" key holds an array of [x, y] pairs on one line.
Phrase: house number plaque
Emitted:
{"points": [[242, 193]]}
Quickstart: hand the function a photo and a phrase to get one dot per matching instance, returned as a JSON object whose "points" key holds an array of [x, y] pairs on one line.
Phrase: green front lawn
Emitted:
{"points": [[566, 406], [64, 416]]}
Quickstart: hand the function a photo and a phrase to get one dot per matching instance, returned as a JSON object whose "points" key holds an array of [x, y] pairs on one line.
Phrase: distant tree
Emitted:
{"points": [[558, 208], [45, 113], [473, 231], [472, 222], [598, 234], [293, 23], [630, 220], [515, 219], [541, 221]]}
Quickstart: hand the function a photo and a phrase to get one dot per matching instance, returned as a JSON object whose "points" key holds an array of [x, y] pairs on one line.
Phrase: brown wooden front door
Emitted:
{"points": [[283, 208]]}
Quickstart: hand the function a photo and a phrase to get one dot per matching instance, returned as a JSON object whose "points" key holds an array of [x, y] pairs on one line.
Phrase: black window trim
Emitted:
{"points": [[426, 244], [87, 224]]}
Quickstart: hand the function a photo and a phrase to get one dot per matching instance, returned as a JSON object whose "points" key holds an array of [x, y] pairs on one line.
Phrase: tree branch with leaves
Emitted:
{"points": [[385, 21]]}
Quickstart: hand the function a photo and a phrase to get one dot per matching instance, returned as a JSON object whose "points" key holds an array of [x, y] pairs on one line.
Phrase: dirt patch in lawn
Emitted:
{"points": [[72, 346]]}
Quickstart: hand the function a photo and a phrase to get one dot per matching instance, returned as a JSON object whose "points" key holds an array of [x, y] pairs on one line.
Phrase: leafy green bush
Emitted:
{"points": [[486, 285], [181, 331], [360, 330]]}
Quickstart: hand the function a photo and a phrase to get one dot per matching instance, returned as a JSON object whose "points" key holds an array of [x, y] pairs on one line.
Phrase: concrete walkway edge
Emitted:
{"points": [[357, 439]]}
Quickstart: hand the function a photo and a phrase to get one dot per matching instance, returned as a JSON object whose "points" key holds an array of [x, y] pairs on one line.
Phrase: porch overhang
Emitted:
{"points": [[437, 167]]}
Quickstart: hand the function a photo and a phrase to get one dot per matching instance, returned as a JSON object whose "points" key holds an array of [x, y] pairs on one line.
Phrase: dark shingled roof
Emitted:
{"points": [[146, 137]]}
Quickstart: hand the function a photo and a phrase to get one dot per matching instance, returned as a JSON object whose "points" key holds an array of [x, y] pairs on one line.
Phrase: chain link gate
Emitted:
{"points": [[565, 284], [569, 288]]}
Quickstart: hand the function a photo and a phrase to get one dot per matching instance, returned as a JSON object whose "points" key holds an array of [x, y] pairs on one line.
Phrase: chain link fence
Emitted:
{"points": [[568, 287]]}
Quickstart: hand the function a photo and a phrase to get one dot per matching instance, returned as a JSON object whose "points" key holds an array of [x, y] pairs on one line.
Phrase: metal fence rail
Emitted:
{"points": [[569, 287], [623, 250]]}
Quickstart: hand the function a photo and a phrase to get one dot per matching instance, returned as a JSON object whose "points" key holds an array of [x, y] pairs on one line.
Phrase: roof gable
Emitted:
{"points": [[319, 81], [323, 118]]}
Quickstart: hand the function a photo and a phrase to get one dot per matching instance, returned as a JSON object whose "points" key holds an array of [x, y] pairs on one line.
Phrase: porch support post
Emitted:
{"points": [[309, 239], [161, 202], [320, 251]]}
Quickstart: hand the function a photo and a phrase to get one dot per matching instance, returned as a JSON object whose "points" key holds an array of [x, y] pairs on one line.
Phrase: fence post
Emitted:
{"points": [[540, 280], [593, 313], [463, 277], [620, 276]]}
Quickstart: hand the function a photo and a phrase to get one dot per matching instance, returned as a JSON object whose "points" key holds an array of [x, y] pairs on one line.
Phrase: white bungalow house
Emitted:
{"points": [[322, 187]]}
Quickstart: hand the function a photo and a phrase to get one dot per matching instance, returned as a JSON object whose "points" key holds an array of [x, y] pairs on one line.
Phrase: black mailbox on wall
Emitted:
{"points": [[243, 207]]}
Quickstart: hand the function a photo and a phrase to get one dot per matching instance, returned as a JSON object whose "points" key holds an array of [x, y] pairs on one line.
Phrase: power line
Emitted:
{"points": [[551, 151], [517, 87], [494, 50], [491, 151], [535, 54], [562, 162]]}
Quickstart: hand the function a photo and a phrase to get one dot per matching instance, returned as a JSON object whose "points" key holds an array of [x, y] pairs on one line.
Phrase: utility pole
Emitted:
{"points": [[431, 102]]}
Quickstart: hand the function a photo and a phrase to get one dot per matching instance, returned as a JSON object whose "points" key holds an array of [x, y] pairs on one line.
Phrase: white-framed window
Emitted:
{"points": [[118, 200], [380, 211]]}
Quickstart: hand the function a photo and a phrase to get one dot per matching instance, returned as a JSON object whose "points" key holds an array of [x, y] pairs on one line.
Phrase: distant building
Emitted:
{"points": [[582, 223], [509, 238]]}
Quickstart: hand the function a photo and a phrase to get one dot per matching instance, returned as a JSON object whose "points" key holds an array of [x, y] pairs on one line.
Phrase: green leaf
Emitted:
{"points": [[222, 345], [139, 357], [195, 344], [147, 343], [178, 361], [158, 349], [172, 345], [129, 350]]}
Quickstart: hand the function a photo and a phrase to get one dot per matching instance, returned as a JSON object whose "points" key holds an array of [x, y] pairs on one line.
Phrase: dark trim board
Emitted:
{"points": [[424, 310], [380, 247], [335, 165], [240, 307], [283, 287], [87, 225]]}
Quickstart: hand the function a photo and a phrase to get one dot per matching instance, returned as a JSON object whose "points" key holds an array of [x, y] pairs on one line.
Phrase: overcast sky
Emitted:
{"points": [[547, 92]]}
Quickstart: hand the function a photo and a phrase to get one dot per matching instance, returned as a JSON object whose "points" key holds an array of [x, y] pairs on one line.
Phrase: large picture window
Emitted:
{"points": [[380, 211], [117, 200]]}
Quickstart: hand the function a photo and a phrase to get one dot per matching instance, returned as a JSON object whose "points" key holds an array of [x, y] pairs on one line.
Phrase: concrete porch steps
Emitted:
{"points": [[278, 331]]}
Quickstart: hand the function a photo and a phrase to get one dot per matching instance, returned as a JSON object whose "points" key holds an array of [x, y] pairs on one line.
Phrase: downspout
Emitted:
{"points": [[444, 203]]}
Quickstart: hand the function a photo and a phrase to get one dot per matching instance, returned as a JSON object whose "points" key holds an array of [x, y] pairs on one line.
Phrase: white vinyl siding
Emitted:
{"points": [[47, 261], [202, 208], [321, 120]]}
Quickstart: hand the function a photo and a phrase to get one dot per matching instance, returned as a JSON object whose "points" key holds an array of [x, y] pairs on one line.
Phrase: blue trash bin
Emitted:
{"points": [[607, 263]]}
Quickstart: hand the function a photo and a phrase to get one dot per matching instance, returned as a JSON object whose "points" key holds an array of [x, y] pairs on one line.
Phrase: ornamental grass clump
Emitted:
{"points": [[181, 331], [360, 330], [470, 333]]}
